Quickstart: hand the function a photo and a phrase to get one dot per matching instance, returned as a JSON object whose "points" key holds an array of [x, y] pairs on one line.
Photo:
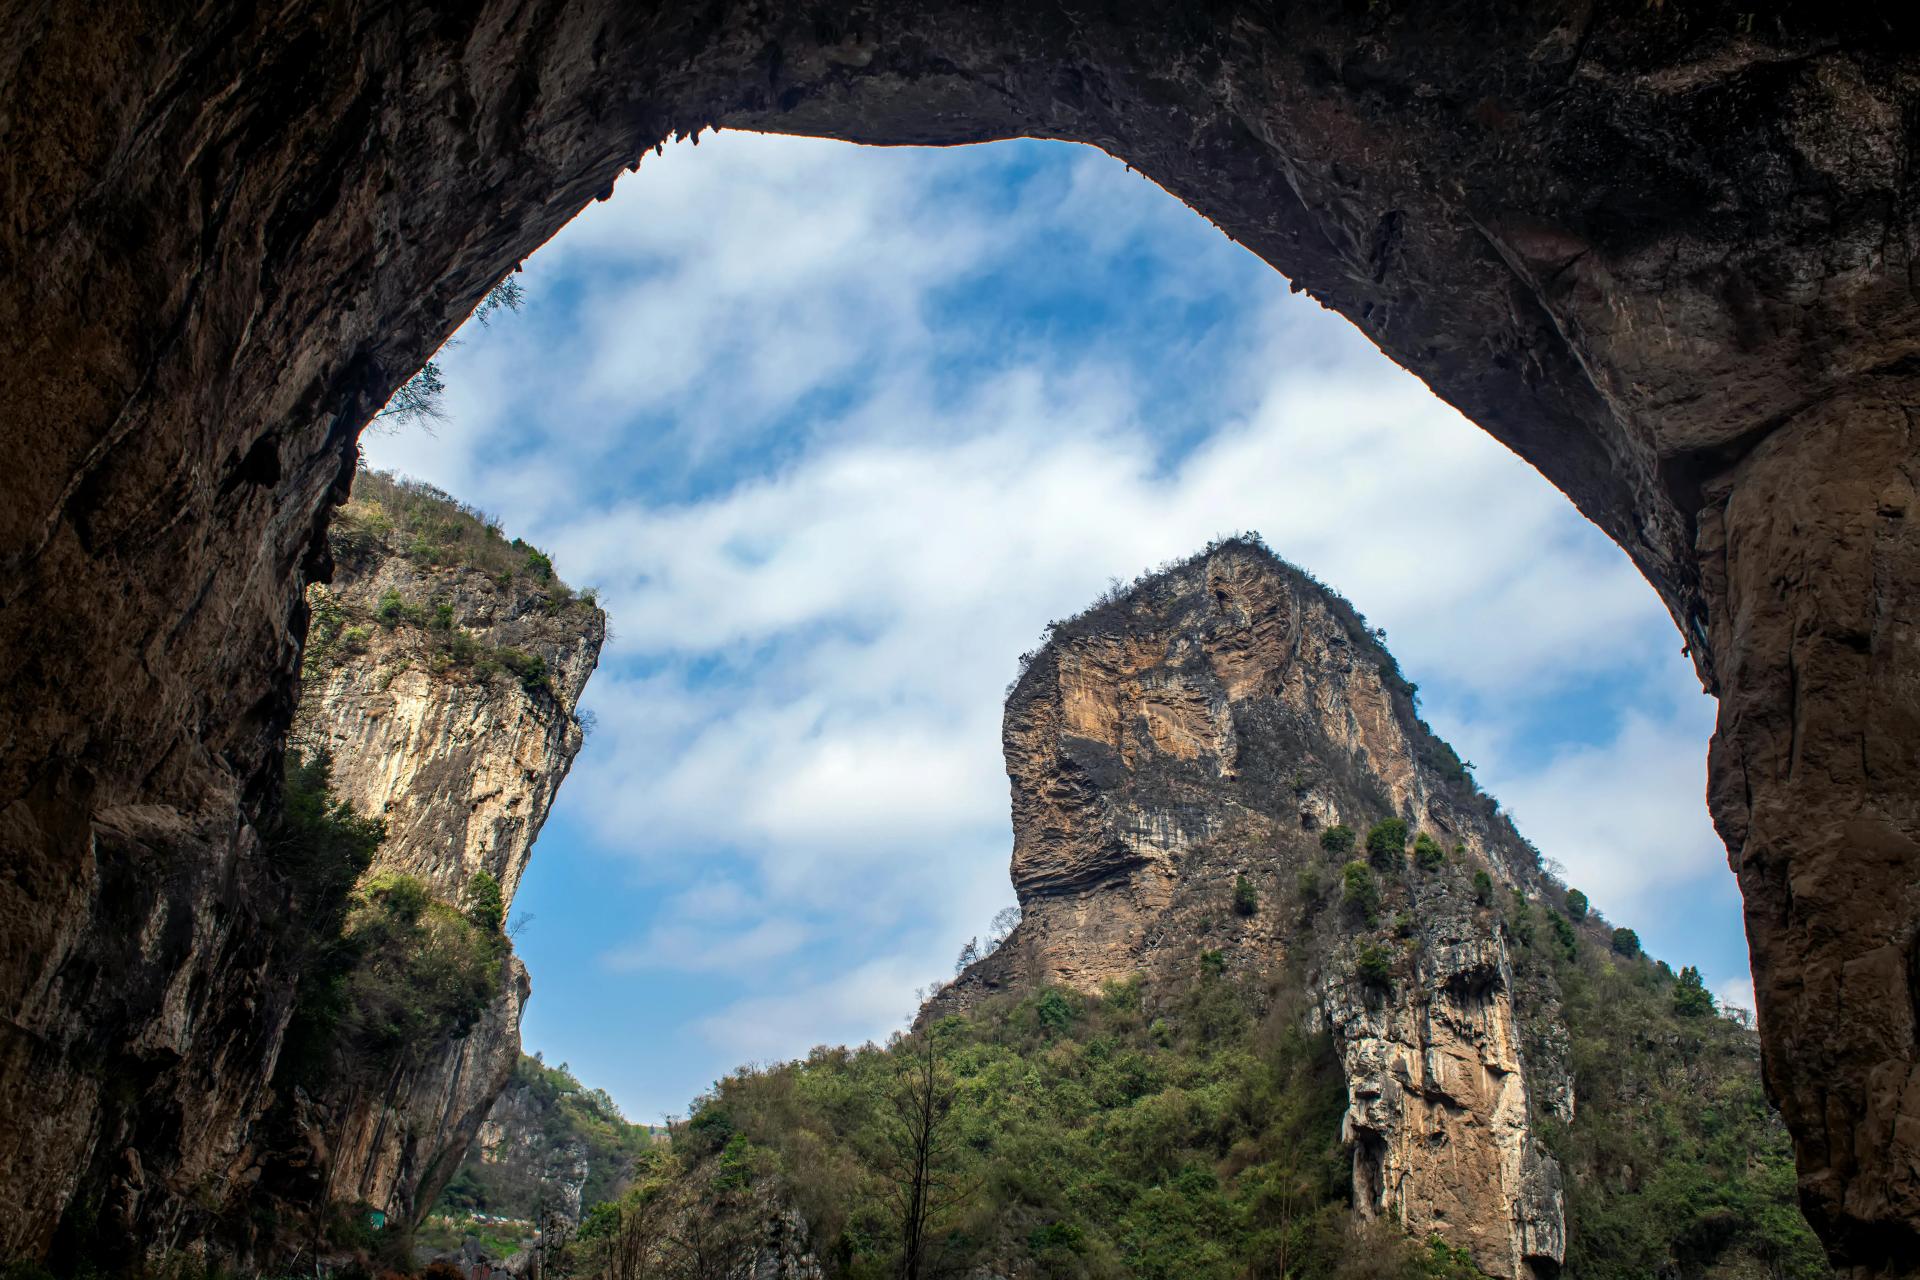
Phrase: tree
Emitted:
{"points": [[1374, 964], [1576, 905], [1691, 999], [1387, 843], [1359, 890], [1427, 853], [1004, 922], [1626, 942], [1337, 841], [968, 955], [918, 1143], [486, 906], [422, 397], [1483, 888], [1246, 899]]}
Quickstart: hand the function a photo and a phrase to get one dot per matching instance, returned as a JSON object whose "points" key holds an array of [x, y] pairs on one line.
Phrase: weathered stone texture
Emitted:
{"points": [[1662, 252], [1208, 726], [463, 767]]}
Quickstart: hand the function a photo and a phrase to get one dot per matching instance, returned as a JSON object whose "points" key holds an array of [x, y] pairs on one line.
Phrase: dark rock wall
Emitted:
{"points": [[1662, 252]]}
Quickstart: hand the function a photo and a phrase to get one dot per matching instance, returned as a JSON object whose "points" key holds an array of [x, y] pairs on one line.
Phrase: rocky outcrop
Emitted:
{"points": [[1187, 746], [1663, 253], [461, 757]]}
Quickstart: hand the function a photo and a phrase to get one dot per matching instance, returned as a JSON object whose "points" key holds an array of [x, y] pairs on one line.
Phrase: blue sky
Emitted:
{"points": [[837, 430]]}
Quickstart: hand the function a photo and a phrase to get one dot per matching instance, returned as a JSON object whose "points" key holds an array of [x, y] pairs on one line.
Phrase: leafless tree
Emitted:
{"points": [[918, 1148]]}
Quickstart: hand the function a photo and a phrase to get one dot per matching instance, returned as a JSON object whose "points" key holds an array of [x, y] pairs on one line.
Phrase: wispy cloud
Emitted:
{"points": [[837, 431]]}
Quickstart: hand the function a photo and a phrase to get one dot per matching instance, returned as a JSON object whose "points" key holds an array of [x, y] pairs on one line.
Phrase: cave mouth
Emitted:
{"points": [[870, 417]]}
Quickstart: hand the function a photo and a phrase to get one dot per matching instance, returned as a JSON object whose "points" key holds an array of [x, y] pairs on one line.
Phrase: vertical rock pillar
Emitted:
{"points": [[1811, 547]]}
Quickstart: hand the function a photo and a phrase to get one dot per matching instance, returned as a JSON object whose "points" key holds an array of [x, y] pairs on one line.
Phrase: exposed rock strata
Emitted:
{"points": [[1209, 726], [463, 767], [1665, 254]]}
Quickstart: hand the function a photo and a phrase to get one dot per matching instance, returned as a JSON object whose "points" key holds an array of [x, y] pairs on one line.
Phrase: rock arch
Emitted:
{"points": [[1664, 253]]}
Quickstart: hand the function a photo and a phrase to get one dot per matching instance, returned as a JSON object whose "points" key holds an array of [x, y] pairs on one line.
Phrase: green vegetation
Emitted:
{"points": [[418, 523], [1626, 942], [1337, 841], [1577, 905], [486, 906], [1360, 892], [1427, 853], [1374, 964], [1675, 1165], [1246, 899], [1483, 888], [1387, 843], [422, 398], [561, 1114], [422, 973], [1063, 1136], [1691, 999], [321, 848], [386, 970]]}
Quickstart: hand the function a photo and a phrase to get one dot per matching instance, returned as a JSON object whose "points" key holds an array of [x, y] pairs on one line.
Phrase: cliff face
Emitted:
{"points": [[442, 682], [549, 1146], [1191, 744], [1666, 256]]}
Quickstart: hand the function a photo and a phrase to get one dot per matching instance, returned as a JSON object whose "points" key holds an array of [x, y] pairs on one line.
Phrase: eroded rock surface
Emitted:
{"points": [[1206, 729], [461, 758], [1665, 253]]}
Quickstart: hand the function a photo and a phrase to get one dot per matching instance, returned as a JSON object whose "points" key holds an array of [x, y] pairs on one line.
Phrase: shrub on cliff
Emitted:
{"points": [[423, 971], [1577, 905], [1387, 843], [1374, 964], [1483, 888], [1359, 891], [1246, 899], [486, 905], [1337, 841], [321, 848], [1626, 942], [1427, 853]]}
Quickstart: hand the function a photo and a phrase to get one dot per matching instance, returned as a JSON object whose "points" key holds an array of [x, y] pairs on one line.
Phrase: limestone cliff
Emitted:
{"points": [[1194, 742], [445, 668], [549, 1146]]}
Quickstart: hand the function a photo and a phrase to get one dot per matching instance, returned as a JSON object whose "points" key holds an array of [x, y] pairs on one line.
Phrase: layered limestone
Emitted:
{"points": [[461, 758], [1665, 254], [1203, 731]]}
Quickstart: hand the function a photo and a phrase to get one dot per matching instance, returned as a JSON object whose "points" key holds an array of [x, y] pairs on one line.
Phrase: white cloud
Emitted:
{"points": [[734, 405], [1626, 817]]}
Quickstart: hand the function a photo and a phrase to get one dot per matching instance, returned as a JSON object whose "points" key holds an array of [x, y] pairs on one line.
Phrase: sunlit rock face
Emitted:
{"points": [[462, 763], [1666, 256], [1211, 724]]}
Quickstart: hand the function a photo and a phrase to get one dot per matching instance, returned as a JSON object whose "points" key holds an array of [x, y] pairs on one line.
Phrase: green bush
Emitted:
{"points": [[1483, 888], [394, 611], [1310, 886], [1360, 891], [1563, 935], [529, 668], [1374, 964], [1246, 899], [1626, 942], [1691, 999], [1212, 964], [1577, 905], [1427, 853], [1337, 841], [1387, 843], [486, 906]]}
